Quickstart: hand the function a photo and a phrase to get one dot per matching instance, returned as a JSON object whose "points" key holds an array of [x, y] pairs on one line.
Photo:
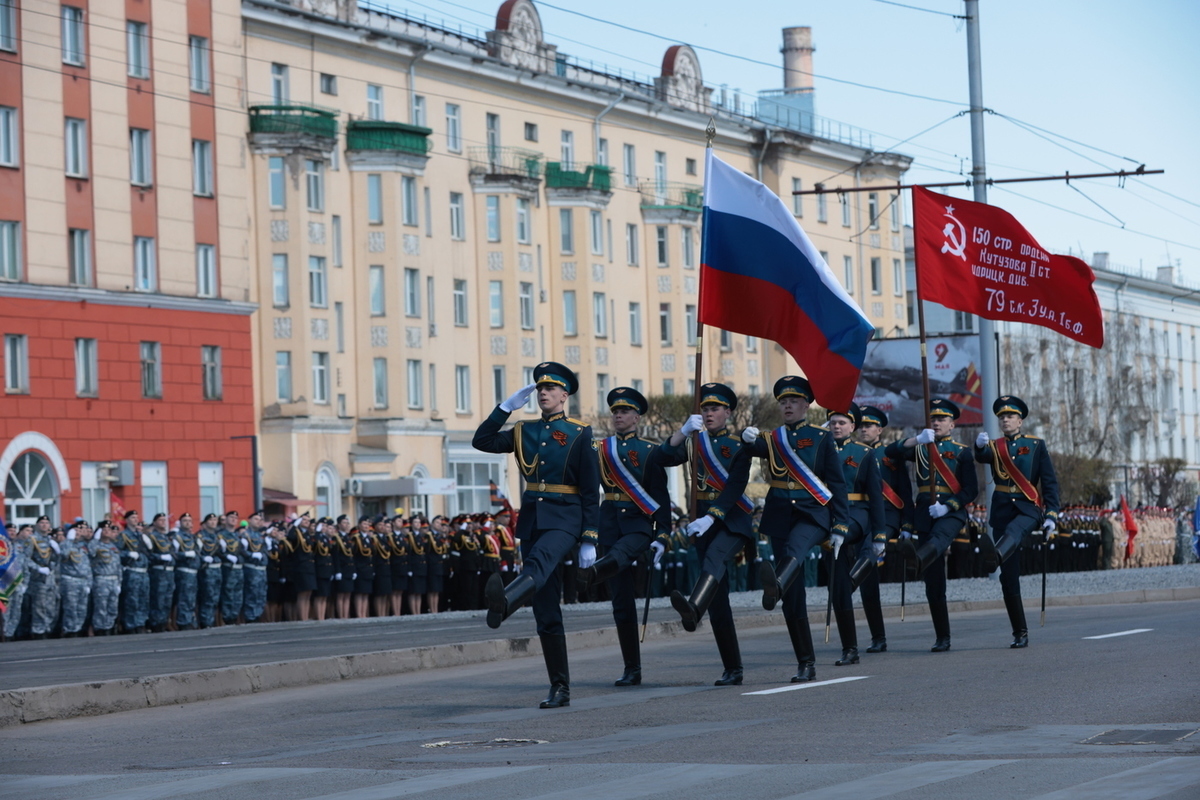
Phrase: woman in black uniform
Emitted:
{"points": [[343, 566], [437, 558], [323, 551], [381, 590], [304, 576], [364, 567], [418, 567], [400, 570]]}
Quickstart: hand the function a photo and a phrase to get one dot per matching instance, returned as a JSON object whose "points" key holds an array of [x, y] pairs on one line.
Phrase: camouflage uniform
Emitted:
{"points": [[20, 566], [187, 564], [162, 577], [135, 583], [75, 577], [106, 583], [231, 574], [43, 584], [254, 574]]}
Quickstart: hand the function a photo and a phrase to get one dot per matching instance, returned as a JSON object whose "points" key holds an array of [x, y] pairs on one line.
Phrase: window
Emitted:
{"points": [[668, 386], [86, 368], [531, 132], [499, 384], [873, 210], [660, 242], [433, 400], [876, 275], [279, 280], [797, 200], [493, 218], [848, 273], [75, 142], [408, 194], [453, 128], [318, 295], [524, 231], [16, 363], [751, 344], [660, 171], [335, 239], [664, 324], [566, 223], [212, 482], [10, 152], [526, 306], [339, 324], [375, 199], [844, 201], [897, 277], [600, 314], [689, 325], [277, 182], [151, 369], [822, 208], [601, 390], [567, 150], [496, 304], [320, 378], [375, 287], [415, 375], [895, 209], [428, 211], [631, 244], [635, 324], [602, 152], [462, 389], [8, 30], [314, 182], [72, 35], [458, 226], [137, 49], [141, 155], [629, 165], [460, 303], [726, 341], [492, 126], [202, 172], [328, 84], [418, 110], [380, 375], [283, 376], [206, 270], [597, 226], [689, 248], [412, 292], [10, 251], [689, 166], [154, 488], [279, 84], [145, 264], [79, 256], [570, 314], [210, 362]]}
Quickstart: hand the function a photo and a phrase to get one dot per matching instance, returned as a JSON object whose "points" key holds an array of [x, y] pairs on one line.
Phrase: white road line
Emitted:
{"points": [[1141, 783], [895, 781], [1120, 633], [797, 686]]}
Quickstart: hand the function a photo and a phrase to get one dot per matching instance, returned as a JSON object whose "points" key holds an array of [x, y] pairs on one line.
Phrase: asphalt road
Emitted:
{"points": [[1070, 717]]}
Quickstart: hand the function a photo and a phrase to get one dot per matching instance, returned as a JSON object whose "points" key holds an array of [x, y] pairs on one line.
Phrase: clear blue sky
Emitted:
{"points": [[1118, 76]]}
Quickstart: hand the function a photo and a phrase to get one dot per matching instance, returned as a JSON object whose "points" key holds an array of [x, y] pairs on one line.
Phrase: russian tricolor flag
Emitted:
{"points": [[761, 276]]}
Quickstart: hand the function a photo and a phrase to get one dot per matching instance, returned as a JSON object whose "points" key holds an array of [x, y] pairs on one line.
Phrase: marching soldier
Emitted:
{"points": [[805, 505], [636, 501], [135, 583], [209, 548], [106, 579], [722, 526], [946, 483], [557, 457], [1020, 464], [43, 579], [161, 553], [187, 569], [75, 574], [302, 561], [381, 591]]}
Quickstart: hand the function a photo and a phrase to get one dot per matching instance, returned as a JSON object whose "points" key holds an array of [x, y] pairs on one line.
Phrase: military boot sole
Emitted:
{"points": [[687, 612], [770, 584], [496, 604]]}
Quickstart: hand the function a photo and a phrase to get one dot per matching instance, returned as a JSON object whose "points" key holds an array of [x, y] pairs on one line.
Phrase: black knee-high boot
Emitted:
{"points": [[554, 650], [691, 609], [849, 637], [627, 635], [1016, 615], [731, 655], [801, 636]]}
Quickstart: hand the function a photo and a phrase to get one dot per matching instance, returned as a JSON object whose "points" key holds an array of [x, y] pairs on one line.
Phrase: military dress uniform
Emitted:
{"points": [[467, 567], [508, 552], [209, 594], [364, 558], [254, 574], [417, 564], [232, 582], [1020, 464], [161, 553], [106, 585], [75, 577], [954, 486], [628, 523], [798, 517], [437, 556], [560, 504], [730, 528], [135, 580], [187, 579]]}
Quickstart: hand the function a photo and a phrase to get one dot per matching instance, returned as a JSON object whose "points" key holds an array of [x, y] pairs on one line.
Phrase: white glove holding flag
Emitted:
{"points": [[838, 540], [750, 434], [698, 527], [518, 398], [926, 436], [938, 510], [659, 548], [694, 423], [982, 439], [587, 555], [1050, 526]]}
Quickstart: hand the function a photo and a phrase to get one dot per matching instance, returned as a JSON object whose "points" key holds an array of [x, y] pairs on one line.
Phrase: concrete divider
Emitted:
{"points": [[35, 704]]}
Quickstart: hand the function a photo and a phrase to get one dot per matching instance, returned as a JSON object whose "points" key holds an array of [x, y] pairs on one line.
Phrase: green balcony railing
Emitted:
{"points": [[370, 134], [509, 161], [294, 119], [684, 196], [578, 176]]}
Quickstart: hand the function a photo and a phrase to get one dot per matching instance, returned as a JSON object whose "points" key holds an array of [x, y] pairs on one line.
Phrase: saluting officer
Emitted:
{"points": [[106, 579], [946, 483], [636, 501], [722, 526], [1019, 463], [805, 505], [560, 505], [896, 489]]}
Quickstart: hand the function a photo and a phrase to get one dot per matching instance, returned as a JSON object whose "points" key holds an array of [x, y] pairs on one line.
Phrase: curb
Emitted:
{"points": [[20, 706]]}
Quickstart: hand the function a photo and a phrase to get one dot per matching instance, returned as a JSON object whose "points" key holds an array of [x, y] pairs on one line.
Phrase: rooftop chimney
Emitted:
{"points": [[797, 60], [1166, 274], [1099, 260]]}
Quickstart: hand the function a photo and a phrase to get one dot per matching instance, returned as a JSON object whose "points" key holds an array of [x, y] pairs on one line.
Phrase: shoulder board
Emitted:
{"points": [[574, 421], [651, 442], [960, 444], [1027, 436]]}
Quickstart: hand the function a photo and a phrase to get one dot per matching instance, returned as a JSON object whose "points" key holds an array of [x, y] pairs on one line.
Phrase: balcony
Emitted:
{"points": [[511, 162], [671, 202], [293, 127], [370, 134], [575, 184]]}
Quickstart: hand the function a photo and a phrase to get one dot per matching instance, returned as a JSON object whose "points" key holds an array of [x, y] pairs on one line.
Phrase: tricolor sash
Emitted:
{"points": [[943, 469], [800, 472], [625, 479], [1015, 475], [718, 476]]}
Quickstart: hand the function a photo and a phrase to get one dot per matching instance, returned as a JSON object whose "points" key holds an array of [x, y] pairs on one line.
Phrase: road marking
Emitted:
{"points": [[428, 783], [797, 686], [1120, 633], [895, 781], [1141, 783]]}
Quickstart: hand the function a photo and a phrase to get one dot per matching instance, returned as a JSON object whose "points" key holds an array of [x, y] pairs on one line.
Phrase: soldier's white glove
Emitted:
{"points": [[879, 548], [837, 540], [925, 437], [247, 544], [208, 559], [337, 577], [504, 567], [166, 558], [222, 543], [71, 535], [698, 527], [133, 555], [750, 434], [409, 574], [146, 540], [982, 439], [190, 553], [518, 398], [659, 548], [56, 548], [906, 534], [44, 570], [587, 555], [658, 566], [231, 558], [354, 576], [257, 556], [938, 510], [694, 423], [96, 535], [1049, 527]]}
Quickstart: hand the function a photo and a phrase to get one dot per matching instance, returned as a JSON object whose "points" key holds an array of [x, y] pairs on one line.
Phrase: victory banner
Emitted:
{"points": [[977, 258]]}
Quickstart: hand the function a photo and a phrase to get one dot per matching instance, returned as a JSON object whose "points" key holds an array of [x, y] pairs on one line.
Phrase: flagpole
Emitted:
{"points": [[928, 416], [710, 133]]}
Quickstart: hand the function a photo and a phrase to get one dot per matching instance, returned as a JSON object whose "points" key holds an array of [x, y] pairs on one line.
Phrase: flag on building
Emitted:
{"points": [[10, 574], [760, 275], [977, 258]]}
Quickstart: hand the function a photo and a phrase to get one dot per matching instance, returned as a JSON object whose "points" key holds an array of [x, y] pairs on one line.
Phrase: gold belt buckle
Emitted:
{"points": [[542, 486]]}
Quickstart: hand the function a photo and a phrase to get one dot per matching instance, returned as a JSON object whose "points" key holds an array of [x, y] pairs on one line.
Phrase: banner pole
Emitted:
{"points": [[710, 133], [925, 389]]}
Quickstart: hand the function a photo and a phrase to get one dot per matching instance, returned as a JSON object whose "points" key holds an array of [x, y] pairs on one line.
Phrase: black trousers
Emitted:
{"points": [[716, 547], [1012, 522], [544, 551], [940, 534], [796, 542], [622, 587]]}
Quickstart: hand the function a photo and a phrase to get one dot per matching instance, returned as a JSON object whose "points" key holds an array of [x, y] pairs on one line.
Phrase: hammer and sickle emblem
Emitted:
{"points": [[955, 245]]}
